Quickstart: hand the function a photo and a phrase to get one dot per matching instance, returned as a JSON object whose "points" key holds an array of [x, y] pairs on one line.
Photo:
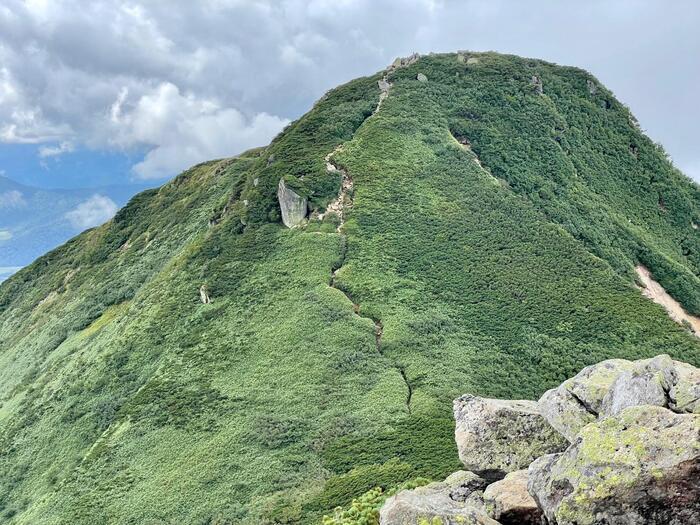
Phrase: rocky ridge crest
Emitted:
{"points": [[619, 444]]}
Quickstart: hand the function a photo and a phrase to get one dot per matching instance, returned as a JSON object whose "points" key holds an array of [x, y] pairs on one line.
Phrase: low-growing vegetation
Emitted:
{"points": [[492, 237]]}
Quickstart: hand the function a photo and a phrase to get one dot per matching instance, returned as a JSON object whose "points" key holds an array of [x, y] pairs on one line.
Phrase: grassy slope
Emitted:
{"points": [[127, 400]]}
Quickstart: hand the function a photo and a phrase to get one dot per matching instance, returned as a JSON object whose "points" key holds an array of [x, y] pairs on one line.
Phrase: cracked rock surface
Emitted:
{"points": [[496, 436]]}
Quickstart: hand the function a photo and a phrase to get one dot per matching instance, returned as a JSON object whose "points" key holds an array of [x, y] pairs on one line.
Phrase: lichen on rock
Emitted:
{"points": [[640, 467], [435, 504], [496, 436], [633, 457], [509, 502]]}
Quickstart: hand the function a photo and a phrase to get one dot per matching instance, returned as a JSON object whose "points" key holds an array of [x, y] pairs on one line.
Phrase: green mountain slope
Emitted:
{"points": [[488, 245]]}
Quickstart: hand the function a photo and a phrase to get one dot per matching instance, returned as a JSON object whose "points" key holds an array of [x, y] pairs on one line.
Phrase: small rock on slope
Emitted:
{"points": [[293, 206]]}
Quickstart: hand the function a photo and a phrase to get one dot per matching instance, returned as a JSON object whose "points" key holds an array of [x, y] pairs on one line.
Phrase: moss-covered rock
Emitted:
{"points": [[496, 436], [642, 466], [435, 504]]}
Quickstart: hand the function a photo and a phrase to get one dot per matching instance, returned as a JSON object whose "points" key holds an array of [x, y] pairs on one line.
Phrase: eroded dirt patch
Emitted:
{"points": [[654, 291]]}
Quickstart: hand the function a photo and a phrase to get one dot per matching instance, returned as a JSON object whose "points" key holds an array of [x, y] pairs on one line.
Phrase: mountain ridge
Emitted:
{"points": [[487, 236]]}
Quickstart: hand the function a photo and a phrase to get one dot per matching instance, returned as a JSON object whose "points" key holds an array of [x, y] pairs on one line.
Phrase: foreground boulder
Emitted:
{"points": [[509, 502], [607, 388], [684, 394], [578, 401], [639, 467], [632, 455], [635, 387], [495, 436], [456, 501], [466, 486]]}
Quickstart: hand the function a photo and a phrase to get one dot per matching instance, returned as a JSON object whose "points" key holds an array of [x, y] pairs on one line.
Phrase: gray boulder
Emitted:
{"points": [[634, 388], [204, 294], [684, 393], [578, 401], [607, 388], [496, 436], [680, 381], [566, 413], [509, 502], [537, 84], [641, 466], [434, 503], [466, 486], [293, 206]]}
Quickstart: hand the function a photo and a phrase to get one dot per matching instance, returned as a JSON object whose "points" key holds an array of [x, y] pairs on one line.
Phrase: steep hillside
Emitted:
{"points": [[195, 361]]}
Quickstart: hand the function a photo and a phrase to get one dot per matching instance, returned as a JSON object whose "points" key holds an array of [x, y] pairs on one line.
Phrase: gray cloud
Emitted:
{"points": [[196, 80]]}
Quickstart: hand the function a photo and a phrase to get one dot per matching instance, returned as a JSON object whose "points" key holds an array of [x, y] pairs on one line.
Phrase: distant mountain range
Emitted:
{"points": [[36, 220]]}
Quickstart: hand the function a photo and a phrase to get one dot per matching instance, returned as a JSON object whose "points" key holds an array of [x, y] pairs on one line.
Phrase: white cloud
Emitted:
{"points": [[12, 199], [185, 130], [97, 210], [54, 151], [5, 235]]}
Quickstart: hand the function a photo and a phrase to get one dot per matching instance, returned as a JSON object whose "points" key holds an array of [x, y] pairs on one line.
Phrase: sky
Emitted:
{"points": [[117, 92]]}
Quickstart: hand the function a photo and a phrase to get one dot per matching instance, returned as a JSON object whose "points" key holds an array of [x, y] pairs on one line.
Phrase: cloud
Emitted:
{"points": [[12, 199], [184, 129], [5, 235], [54, 151], [97, 210], [185, 81]]}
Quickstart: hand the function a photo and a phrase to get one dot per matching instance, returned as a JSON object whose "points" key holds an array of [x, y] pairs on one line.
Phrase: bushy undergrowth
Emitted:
{"points": [[125, 399]]}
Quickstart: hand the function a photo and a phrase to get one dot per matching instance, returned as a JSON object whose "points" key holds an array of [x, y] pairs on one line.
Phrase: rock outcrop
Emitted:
{"points": [[405, 61], [509, 501], [607, 388], [537, 84], [204, 294], [434, 503], [578, 401], [628, 454], [293, 207], [496, 436], [640, 467]]}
